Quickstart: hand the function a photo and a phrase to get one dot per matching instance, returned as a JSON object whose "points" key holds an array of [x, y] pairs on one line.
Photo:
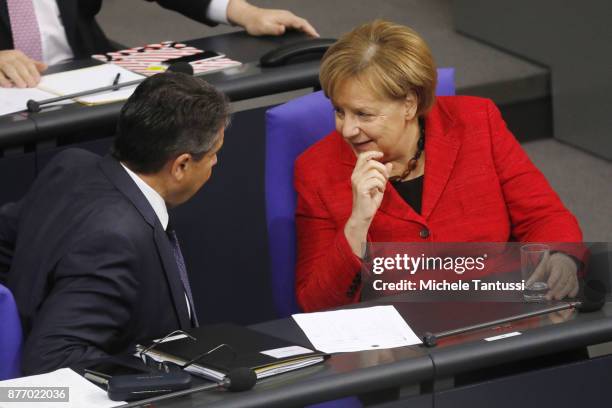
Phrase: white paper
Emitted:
{"points": [[503, 336], [285, 352], [14, 99], [349, 330], [78, 80], [83, 394]]}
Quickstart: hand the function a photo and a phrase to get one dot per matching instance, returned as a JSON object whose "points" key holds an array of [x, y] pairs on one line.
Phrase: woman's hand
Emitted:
{"points": [[368, 180], [561, 273]]}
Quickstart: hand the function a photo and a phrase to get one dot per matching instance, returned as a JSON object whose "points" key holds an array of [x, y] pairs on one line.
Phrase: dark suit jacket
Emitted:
{"points": [[479, 186], [83, 32], [93, 271]]}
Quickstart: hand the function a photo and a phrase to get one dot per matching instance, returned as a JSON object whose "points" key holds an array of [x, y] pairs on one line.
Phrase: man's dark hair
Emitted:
{"points": [[167, 115]]}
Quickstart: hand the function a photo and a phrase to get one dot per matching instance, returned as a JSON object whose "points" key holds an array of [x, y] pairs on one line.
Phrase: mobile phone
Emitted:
{"points": [[107, 370], [127, 382], [204, 55]]}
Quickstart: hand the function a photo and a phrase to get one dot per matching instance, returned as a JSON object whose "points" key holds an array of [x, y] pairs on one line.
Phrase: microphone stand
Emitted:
{"points": [[430, 339], [170, 395], [593, 298], [35, 106]]}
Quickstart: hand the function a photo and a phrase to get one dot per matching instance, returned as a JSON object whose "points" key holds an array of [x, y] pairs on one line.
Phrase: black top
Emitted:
{"points": [[411, 191]]}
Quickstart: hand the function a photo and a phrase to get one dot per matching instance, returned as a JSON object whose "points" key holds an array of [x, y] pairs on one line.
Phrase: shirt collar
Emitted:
{"points": [[155, 200]]}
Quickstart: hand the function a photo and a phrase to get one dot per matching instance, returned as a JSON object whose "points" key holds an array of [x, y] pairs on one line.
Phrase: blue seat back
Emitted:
{"points": [[10, 336], [290, 129]]}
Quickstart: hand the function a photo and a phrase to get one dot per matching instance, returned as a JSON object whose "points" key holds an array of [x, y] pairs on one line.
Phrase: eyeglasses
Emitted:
{"points": [[167, 366]]}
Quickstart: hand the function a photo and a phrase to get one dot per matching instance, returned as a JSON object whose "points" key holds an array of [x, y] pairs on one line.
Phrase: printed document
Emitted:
{"points": [[347, 330]]}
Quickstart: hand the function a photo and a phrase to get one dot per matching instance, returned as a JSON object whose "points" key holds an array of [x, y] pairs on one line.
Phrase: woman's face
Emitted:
{"points": [[369, 122]]}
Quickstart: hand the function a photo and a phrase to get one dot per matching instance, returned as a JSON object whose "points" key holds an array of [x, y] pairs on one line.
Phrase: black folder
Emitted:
{"points": [[234, 346]]}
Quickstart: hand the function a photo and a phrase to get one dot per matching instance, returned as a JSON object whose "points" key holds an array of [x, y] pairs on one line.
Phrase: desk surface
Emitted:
{"points": [[246, 81], [353, 373]]}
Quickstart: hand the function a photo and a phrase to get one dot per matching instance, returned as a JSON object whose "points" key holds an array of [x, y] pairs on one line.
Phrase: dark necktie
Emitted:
{"points": [[180, 263]]}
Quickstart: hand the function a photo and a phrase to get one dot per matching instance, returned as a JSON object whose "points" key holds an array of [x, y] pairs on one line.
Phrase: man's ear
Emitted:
{"points": [[179, 166], [411, 103]]}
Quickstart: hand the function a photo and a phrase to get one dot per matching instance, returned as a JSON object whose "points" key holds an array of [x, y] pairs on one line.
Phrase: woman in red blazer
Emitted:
{"points": [[405, 166]]}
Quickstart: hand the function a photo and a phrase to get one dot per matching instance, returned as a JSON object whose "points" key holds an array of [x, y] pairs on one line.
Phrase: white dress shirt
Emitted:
{"points": [[152, 196], [55, 47]]}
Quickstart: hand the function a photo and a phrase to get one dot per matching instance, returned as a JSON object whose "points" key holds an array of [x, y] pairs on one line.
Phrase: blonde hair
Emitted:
{"points": [[390, 58]]}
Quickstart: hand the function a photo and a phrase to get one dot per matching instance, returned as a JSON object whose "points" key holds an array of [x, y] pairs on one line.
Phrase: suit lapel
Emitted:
{"points": [[441, 148], [4, 16], [172, 275], [69, 14], [124, 183], [119, 177], [394, 205]]}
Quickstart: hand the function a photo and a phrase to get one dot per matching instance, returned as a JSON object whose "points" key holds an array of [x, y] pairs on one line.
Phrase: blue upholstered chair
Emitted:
{"points": [[10, 336], [290, 129]]}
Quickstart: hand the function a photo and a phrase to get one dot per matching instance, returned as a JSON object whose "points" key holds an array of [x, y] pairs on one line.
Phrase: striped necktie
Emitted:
{"points": [[24, 27], [180, 263]]}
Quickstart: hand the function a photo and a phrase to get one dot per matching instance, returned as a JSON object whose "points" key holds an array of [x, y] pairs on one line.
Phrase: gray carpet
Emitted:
{"points": [[583, 182]]}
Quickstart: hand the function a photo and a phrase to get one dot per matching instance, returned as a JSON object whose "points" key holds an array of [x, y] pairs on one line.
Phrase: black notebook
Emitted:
{"points": [[235, 346]]}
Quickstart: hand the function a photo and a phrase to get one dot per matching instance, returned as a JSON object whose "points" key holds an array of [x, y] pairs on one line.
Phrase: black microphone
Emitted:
{"points": [[35, 106], [239, 379], [593, 296], [236, 380], [182, 67]]}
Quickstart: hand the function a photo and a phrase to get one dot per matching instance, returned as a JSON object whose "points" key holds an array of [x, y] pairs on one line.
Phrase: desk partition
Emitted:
{"points": [[427, 377], [79, 122]]}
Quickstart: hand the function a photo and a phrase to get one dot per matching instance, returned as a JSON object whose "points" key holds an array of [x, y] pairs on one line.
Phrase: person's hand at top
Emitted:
{"points": [[260, 21], [18, 70]]}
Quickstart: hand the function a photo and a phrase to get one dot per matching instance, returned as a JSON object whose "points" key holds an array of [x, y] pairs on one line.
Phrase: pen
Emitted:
{"points": [[116, 81]]}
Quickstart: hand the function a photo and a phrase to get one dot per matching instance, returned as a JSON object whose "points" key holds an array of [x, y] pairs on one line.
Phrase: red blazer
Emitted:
{"points": [[479, 186]]}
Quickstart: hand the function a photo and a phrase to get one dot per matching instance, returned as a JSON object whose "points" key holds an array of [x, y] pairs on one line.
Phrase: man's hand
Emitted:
{"points": [[19, 70], [259, 21], [561, 273]]}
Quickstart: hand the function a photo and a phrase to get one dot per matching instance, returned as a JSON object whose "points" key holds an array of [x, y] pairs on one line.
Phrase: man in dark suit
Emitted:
{"points": [[68, 29], [95, 266]]}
